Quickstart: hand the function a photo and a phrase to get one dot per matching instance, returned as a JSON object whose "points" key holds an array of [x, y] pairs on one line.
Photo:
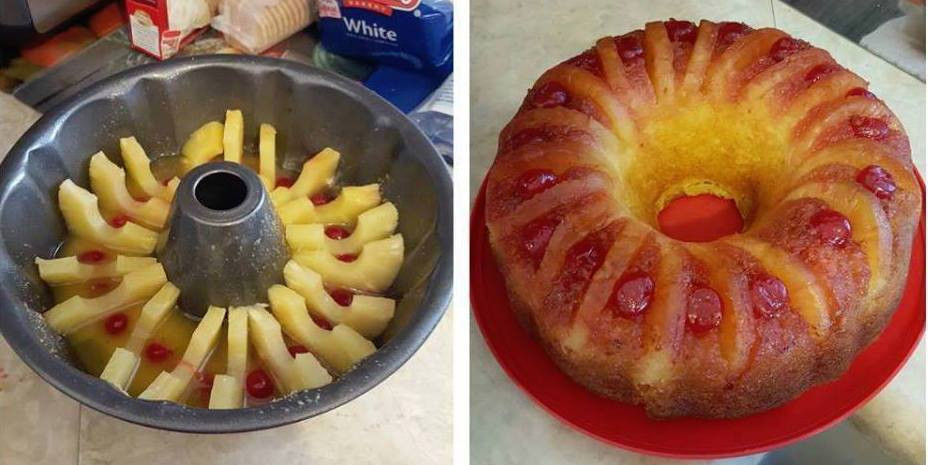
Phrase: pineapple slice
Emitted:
{"points": [[77, 311], [299, 210], [280, 196], [68, 270], [120, 370], [341, 351], [138, 165], [227, 393], [237, 362], [267, 155], [805, 294], [373, 270], [374, 224], [351, 202], [368, 315], [312, 374], [233, 136], [265, 333], [204, 144], [108, 181], [82, 216], [316, 174], [153, 313], [165, 387]]}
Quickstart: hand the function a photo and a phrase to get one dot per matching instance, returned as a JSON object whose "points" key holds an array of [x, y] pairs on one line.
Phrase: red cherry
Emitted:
{"points": [[878, 181], [535, 236], [534, 181], [283, 181], [819, 72], [861, 92], [342, 297], [680, 31], [703, 310], [347, 257], [584, 258], [769, 296], [629, 47], [336, 232], [157, 353], [91, 256], [297, 349], [632, 294], [869, 128], [115, 324], [589, 61], [786, 47], [205, 380], [321, 322], [259, 385], [320, 199], [832, 227], [729, 33], [547, 95], [119, 221]]}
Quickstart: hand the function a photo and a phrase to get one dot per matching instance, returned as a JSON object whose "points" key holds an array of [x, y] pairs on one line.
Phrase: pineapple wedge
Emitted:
{"points": [[68, 270], [165, 387], [280, 196], [153, 313], [351, 202], [237, 362], [77, 311], [203, 145], [108, 181], [138, 165], [368, 315], [317, 173], [83, 219], [373, 270], [374, 224], [312, 374], [267, 155], [233, 136], [341, 352], [227, 393], [264, 332], [299, 210], [120, 370]]}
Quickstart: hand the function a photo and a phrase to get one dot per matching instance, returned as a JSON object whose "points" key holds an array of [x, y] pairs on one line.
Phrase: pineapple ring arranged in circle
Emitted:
{"points": [[119, 311]]}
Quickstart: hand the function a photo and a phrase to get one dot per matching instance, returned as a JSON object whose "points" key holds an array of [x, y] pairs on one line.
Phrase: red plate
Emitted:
{"points": [[628, 426]]}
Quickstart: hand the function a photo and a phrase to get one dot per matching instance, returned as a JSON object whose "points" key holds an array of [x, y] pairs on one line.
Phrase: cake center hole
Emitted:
{"points": [[700, 218], [221, 191]]}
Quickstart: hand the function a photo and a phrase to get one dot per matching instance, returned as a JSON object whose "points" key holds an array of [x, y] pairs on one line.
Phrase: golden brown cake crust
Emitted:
{"points": [[819, 167]]}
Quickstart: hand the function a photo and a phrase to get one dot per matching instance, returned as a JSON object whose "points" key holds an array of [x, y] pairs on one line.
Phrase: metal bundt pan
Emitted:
{"points": [[161, 104]]}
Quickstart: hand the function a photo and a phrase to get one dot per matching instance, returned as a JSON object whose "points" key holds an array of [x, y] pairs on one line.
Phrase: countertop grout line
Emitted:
{"points": [[80, 412]]}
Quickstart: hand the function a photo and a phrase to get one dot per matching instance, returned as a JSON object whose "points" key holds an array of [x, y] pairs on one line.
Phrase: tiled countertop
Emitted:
{"points": [[404, 420], [514, 42]]}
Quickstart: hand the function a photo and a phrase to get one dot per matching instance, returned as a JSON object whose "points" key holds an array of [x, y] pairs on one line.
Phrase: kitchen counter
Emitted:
{"points": [[404, 420], [514, 42]]}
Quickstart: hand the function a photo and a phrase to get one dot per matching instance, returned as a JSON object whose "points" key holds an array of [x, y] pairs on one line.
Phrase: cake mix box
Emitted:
{"points": [[411, 34], [161, 27]]}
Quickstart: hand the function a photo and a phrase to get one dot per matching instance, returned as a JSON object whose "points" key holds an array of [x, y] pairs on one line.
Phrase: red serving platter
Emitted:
{"points": [[627, 426]]}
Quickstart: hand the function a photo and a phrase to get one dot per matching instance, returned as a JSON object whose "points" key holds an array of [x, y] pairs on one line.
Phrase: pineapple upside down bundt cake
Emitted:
{"points": [[818, 167]]}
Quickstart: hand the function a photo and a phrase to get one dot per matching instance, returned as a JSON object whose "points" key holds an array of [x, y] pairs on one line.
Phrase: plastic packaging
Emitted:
{"points": [[435, 116], [255, 25]]}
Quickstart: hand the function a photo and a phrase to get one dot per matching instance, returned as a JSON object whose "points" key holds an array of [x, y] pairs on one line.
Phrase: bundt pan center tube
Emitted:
{"points": [[223, 206]]}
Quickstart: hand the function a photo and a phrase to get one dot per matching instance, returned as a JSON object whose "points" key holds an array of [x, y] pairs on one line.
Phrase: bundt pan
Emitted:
{"points": [[161, 104]]}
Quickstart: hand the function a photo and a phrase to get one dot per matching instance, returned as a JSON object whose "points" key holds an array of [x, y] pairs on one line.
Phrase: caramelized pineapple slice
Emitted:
{"points": [[139, 167], [368, 315], [165, 387], [267, 155], [120, 370], [341, 350], [300, 210], [373, 270], [108, 181], [351, 202], [227, 393], [264, 332], [82, 216], [374, 224], [806, 296], [203, 145], [68, 270], [311, 373], [663, 322], [153, 313], [77, 311], [233, 136], [317, 173]]}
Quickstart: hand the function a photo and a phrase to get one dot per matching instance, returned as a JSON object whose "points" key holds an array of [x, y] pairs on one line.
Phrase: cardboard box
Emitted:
{"points": [[152, 30]]}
